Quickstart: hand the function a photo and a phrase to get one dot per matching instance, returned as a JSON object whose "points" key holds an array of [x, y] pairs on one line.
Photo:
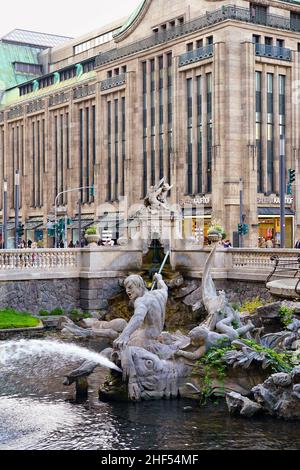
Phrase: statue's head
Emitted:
{"points": [[135, 286], [198, 335]]}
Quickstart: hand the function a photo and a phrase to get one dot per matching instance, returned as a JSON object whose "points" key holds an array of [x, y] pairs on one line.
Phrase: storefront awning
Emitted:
{"points": [[33, 224], [84, 223], [273, 211]]}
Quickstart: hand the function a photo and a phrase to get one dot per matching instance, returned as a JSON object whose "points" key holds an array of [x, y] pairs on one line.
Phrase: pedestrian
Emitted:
{"points": [[297, 244], [61, 245], [71, 244], [227, 244], [269, 243]]}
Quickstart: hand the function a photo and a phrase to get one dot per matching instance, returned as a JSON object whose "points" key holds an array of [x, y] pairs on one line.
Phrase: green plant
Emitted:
{"points": [[286, 315], [57, 312], [92, 230], [43, 313], [10, 318], [235, 306], [214, 367], [76, 314], [251, 305], [280, 362], [216, 226]]}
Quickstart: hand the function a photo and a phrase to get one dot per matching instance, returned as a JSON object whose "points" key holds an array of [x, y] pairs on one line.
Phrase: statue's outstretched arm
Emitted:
{"points": [[136, 322], [160, 282]]}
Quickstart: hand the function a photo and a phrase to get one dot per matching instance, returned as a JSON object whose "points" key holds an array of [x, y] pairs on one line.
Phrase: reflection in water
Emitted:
{"points": [[37, 412]]}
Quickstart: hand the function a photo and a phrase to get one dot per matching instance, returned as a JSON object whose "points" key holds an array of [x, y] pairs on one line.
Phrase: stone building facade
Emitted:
{"points": [[202, 92]]}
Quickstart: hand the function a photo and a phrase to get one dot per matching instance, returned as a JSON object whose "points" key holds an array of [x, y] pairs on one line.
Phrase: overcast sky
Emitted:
{"points": [[66, 17]]}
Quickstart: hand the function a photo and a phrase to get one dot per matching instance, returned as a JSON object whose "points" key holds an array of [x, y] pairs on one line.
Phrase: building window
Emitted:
{"points": [[258, 13], [116, 195], [209, 40], [258, 108], [209, 130], [161, 114], [295, 21], [92, 198], [279, 42], [199, 134], [67, 74], [256, 39], [268, 41], [109, 192], [46, 81], [87, 155], [152, 105], [88, 66], [99, 40], [123, 144], [145, 173], [81, 153], [190, 46], [190, 136], [270, 132], [170, 114], [30, 69], [282, 107], [199, 43]]}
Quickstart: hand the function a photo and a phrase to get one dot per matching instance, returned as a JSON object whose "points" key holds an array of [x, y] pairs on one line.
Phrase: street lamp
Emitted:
{"points": [[17, 197], [282, 192], [92, 188], [4, 237], [241, 211]]}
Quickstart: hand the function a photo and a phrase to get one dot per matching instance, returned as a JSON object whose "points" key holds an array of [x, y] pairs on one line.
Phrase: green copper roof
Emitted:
{"points": [[297, 2], [131, 19], [11, 97], [10, 53]]}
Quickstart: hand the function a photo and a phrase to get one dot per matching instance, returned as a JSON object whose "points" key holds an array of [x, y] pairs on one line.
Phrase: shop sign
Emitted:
{"points": [[197, 201], [275, 200]]}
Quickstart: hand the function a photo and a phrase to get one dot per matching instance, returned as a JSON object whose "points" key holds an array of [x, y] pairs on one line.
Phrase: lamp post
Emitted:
{"points": [[4, 238], [79, 208], [282, 192], [17, 196], [241, 243]]}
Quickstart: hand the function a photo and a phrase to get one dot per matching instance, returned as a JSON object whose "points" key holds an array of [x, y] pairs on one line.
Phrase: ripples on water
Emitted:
{"points": [[37, 412]]}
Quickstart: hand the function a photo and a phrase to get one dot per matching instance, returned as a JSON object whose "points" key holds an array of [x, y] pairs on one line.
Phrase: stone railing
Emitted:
{"points": [[275, 52], [240, 264], [258, 259], [39, 260], [248, 264], [196, 55], [113, 82]]}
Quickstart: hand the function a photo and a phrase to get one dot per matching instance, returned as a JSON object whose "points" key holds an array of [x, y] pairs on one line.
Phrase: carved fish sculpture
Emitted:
{"points": [[150, 377]]}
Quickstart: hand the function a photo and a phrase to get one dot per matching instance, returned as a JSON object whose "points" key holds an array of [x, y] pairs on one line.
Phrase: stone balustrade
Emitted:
{"points": [[244, 264], [23, 261]]}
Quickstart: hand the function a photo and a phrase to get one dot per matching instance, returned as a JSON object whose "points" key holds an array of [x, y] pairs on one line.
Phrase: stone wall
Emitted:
{"points": [[236, 291], [36, 295], [95, 293]]}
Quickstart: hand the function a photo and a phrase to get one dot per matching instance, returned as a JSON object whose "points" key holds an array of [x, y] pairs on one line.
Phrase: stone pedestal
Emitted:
{"points": [[164, 226]]}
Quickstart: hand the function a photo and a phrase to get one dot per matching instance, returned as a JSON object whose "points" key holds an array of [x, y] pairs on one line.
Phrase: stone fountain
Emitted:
{"points": [[158, 364]]}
